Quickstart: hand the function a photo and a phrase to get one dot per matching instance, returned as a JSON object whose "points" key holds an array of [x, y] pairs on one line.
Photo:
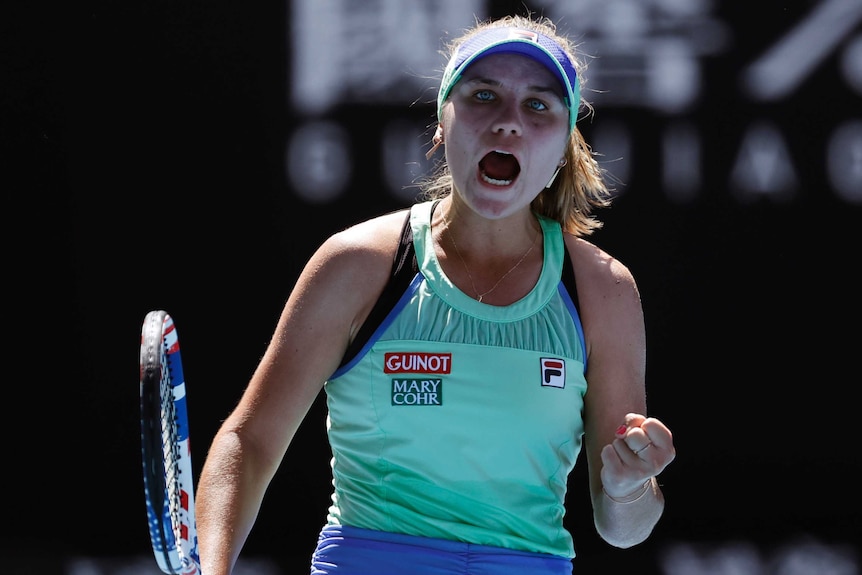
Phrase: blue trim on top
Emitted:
{"points": [[390, 317], [573, 311]]}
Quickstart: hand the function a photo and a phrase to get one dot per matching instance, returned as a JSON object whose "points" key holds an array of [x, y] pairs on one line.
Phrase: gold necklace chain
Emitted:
{"points": [[480, 296]]}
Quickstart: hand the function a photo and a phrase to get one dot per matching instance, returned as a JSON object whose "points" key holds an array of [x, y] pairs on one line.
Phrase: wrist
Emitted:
{"points": [[635, 495]]}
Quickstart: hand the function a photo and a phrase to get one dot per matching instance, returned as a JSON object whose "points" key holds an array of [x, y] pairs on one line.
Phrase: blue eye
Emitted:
{"points": [[537, 105], [484, 95]]}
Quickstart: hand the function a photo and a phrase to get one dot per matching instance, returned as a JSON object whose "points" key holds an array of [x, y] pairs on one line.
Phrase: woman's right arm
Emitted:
{"points": [[332, 296]]}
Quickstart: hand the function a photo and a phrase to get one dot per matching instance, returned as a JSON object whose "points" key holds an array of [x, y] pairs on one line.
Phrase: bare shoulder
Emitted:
{"points": [[610, 303], [368, 243], [596, 270], [348, 272]]}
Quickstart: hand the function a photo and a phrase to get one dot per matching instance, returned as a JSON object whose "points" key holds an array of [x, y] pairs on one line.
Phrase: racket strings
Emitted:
{"points": [[170, 445], [168, 485]]}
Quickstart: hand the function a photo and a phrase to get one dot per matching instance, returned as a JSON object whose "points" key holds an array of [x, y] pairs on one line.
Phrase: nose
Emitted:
{"points": [[509, 120]]}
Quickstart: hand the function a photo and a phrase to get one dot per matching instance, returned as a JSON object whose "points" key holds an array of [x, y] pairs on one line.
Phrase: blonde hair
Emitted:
{"points": [[580, 187]]}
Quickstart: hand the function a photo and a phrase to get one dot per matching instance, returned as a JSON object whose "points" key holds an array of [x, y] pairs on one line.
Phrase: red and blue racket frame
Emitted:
{"points": [[165, 448]]}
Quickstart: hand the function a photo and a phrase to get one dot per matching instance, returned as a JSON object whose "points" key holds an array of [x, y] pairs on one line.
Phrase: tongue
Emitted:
{"points": [[500, 166]]}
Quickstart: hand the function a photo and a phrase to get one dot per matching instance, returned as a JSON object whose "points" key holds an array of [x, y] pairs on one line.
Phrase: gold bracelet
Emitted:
{"points": [[629, 498]]}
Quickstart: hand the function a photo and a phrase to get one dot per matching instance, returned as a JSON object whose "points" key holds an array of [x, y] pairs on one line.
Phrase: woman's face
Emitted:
{"points": [[505, 126]]}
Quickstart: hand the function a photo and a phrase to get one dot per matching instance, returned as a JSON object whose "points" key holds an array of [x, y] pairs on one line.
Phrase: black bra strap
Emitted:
{"points": [[568, 278], [404, 269]]}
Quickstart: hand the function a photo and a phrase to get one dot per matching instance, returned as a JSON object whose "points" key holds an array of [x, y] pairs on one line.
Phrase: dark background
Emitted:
{"points": [[143, 168]]}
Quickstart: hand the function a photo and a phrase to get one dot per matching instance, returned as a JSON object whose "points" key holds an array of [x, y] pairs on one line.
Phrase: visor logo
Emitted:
{"points": [[524, 34]]}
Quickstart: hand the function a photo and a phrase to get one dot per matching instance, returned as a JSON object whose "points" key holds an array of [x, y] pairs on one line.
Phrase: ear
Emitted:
{"points": [[437, 140], [560, 165], [438, 135]]}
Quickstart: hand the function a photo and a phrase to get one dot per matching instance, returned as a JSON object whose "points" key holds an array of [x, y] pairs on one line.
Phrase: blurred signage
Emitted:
{"points": [[349, 59]]}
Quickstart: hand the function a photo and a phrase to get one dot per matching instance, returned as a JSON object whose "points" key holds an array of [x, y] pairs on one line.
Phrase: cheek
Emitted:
{"points": [[459, 162], [556, 150], [457, 140]]}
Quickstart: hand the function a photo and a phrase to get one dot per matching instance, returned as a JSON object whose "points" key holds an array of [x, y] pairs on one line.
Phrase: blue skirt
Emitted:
{"points": [[343, 550]]}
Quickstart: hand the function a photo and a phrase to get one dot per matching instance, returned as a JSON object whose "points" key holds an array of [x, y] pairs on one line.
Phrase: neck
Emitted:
{"points": [[486, 238], [493, 258]]}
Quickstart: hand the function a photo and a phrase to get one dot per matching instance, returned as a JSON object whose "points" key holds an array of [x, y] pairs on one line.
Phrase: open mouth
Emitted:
{"points": [[499, 168]]}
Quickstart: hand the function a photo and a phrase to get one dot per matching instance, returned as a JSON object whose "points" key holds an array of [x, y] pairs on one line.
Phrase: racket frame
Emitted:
{"points": [[165, 448]]}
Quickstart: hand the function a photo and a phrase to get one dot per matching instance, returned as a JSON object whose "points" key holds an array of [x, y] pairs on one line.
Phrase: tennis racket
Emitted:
{"points": [[168, 477]]}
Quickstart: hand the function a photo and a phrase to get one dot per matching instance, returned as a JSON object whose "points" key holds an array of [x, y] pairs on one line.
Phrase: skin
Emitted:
{"points": [[505, 102], [508, 103]]}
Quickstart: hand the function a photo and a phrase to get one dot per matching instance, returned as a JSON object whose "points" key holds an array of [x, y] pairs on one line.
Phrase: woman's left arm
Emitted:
{"points": [[625, 449]]}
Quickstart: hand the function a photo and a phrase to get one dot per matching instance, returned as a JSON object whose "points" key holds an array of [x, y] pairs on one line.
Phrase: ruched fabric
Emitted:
{"points": [[351, 551]]}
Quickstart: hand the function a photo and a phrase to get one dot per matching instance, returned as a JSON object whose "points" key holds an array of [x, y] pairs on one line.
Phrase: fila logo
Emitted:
{"points": [[524, 35], [417, 362], [553, 372]]}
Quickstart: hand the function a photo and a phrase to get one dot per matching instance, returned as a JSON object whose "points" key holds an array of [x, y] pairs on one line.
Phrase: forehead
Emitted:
{"points": [[512, 69]]}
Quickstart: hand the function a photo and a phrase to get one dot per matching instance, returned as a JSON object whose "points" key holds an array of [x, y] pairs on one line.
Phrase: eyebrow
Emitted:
{"points": [[534, 88]]}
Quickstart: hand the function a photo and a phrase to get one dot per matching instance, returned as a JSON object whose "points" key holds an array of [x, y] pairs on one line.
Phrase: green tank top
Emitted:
{"points": [[460, 420]]}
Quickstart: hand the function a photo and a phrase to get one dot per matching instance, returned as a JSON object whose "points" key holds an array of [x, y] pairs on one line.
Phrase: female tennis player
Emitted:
{"points": [[469, 347]]}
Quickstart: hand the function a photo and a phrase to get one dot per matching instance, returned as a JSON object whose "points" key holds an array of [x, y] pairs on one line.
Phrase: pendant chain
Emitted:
{"points": [[480, 296]]}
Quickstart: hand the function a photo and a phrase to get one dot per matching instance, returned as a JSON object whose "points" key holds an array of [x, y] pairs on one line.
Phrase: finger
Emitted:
{"points": [[626, 450], [634, 419], [658, 433], [610, 457], [641, 450], [631, 421], [635, 438]]}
